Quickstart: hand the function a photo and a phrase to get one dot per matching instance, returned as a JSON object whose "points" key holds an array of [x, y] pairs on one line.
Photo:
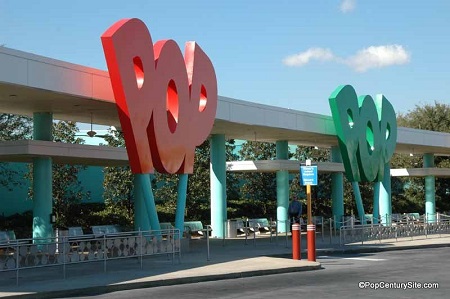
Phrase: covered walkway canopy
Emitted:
{"points": [[30, 83]]}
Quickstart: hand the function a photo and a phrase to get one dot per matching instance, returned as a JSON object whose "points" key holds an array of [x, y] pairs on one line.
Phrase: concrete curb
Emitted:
{"points": [[97, 290]]}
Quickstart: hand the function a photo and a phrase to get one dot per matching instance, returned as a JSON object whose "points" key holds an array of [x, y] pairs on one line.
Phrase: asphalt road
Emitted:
{"points": [[394, 274]]}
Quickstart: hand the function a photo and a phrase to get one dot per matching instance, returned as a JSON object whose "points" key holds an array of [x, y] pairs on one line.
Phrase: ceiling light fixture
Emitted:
{"points": [[91, 133]]}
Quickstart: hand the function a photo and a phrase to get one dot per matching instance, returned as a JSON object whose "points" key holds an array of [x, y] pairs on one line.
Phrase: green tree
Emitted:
{"points": [[366, 190], [165, 188], [199, 191], [232, 177], [13, 127], [118, 188], [409, 192], [258, 190], [427, 117]]}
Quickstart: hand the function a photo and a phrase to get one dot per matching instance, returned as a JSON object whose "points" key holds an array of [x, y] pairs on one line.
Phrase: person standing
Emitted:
{"points": [[295, 210]]}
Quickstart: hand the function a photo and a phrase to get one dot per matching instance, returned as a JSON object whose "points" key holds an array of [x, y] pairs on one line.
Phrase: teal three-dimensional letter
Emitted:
{"points": [[366, 131]]}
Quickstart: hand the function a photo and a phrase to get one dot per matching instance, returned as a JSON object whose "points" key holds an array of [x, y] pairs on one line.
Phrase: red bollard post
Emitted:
{"points": [[311, 235], [296, 254]]}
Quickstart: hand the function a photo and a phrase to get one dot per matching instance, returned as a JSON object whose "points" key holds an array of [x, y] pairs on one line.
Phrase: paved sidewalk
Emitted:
{"points": [[227, 260]]}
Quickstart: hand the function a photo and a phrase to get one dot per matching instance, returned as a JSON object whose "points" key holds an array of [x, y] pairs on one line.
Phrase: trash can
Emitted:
{"points": [[231, 228]]}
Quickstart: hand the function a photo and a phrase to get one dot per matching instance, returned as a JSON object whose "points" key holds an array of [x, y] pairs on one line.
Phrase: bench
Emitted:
{"points": [[240, 226], [261, 224], [75, 231], [412, 216], [100, 230], [194, 228]]}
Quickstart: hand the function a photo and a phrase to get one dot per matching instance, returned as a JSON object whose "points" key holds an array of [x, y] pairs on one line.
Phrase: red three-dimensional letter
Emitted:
{"points": [[166, 104]]}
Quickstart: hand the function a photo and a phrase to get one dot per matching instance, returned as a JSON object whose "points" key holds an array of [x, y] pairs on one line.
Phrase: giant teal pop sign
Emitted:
{"points": [[367, 133]]}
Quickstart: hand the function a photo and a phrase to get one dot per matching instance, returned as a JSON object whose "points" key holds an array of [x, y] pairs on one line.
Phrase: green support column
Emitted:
{"points": [[382, 204], [359, 203], [430, 189], [141, 220], [218, 185], [337, 188], [42, 179], [376, 203], [143, 185], [282, 187], [181, 201]]}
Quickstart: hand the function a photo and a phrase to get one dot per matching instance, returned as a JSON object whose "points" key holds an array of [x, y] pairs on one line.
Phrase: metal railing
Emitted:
{"points": [[348, 230], [405, 226], [23, 254]]}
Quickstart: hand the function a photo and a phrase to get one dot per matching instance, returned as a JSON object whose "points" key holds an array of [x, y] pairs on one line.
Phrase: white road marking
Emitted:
{"points": [[350, 258], [363, 259]]}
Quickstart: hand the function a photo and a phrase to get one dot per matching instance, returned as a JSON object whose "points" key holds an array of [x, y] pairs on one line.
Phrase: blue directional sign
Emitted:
{"points": [[308, 175]]}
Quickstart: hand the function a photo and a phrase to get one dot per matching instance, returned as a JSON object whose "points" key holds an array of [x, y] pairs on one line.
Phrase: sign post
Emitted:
{"points": [[308, 177]]}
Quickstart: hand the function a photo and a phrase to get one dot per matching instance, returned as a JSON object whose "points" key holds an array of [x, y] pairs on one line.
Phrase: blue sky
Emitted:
{"points": [[291, 54]]}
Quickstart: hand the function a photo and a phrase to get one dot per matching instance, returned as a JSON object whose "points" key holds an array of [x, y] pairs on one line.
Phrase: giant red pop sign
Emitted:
{"points": [[166, 103]]}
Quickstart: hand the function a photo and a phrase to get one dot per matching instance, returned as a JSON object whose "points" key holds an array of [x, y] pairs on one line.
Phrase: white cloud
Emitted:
{"points": [[348, 5], [364, 60], [378, 57], [303, 58]]}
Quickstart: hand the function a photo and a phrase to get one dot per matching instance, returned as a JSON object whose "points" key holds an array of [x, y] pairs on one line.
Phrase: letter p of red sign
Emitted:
{"points": [[166, 102]]}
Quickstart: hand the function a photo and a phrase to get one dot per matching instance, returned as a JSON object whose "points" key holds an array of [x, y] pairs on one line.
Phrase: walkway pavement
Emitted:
{"points": [[233, 258]]}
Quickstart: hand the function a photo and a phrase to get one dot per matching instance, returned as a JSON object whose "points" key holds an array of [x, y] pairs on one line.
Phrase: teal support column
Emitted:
{"points": [[218, 185], [376, 203], [143, 184], [359, 203], [181, 201], [141, 220], [382, 197], [282, 187], [42, 197], [430, 189], [337, 188], [42, 179]]}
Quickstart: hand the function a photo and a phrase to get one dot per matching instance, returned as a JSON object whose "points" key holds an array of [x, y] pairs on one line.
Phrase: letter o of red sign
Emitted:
{"points": [[166, 102]]}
